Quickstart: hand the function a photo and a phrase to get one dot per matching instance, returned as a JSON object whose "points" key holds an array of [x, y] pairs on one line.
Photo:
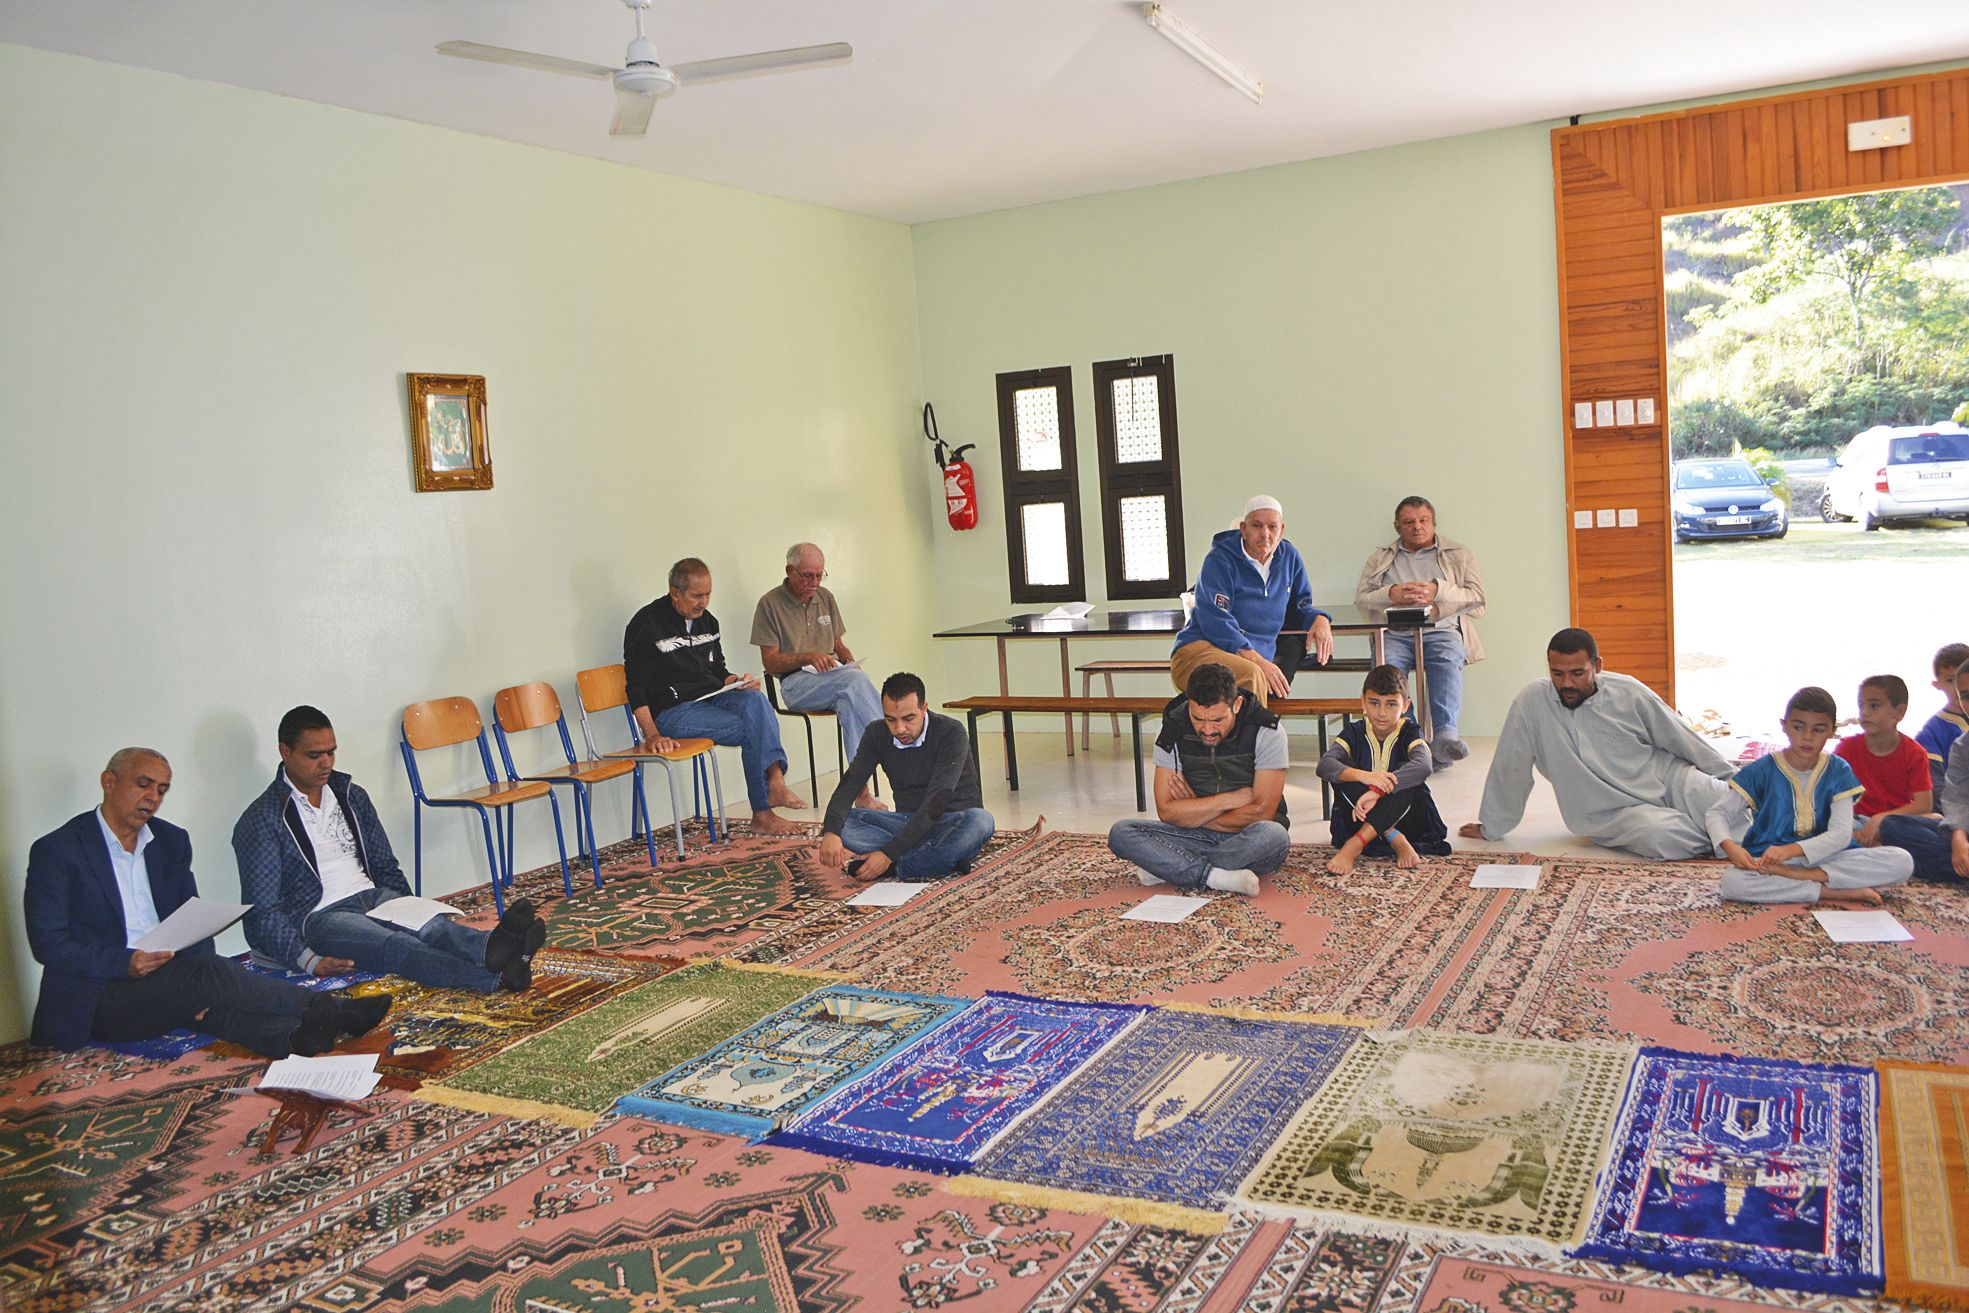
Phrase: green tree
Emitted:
{"points": [[1866, 244]]}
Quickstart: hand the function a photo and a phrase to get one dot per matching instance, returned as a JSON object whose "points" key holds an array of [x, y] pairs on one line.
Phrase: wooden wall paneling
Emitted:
{"points": [[1612, 185]]}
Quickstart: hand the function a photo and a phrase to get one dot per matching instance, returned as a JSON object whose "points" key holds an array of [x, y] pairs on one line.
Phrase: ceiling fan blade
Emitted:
{"points": [[632, 113], [765, 61], [523, 59]]}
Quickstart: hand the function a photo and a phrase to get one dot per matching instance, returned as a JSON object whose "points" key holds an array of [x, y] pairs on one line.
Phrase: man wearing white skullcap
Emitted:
{"points": [[1250, 579]]}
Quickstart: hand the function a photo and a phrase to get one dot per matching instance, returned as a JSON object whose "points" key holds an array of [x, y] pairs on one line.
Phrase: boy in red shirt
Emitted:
{"points": [[1892, 767]]}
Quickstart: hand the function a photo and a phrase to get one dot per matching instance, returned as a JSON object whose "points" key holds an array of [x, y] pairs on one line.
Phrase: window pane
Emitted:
{"points": [[1144, 538], [1036, 415], [1137, 421], [1044, 525]]}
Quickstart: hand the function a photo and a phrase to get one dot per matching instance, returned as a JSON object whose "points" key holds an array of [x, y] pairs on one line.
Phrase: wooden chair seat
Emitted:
{"points": [[588, 772], [684, 751], [503, 794]]}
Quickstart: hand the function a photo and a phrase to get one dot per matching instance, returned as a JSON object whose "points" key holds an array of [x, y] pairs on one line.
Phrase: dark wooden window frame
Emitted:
{"points": [[1026, 488], [1139, 478]]}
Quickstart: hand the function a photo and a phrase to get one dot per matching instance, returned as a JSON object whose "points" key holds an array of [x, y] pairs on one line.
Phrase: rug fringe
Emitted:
{"points": [[1925, 1294], [1256, 1014], [1139, 1212], [1522, 1247], [500, 1106]]}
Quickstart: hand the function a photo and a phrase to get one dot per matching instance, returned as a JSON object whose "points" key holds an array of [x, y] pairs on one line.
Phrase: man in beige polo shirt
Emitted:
{"points": [[798, 630]]}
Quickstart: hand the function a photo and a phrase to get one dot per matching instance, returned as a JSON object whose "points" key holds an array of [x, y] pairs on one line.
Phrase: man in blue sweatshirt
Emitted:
{"points": [[1251, 577]]}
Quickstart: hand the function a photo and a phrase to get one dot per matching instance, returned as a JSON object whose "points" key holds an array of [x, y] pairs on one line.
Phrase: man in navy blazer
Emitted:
{"points": [[102, 881]]}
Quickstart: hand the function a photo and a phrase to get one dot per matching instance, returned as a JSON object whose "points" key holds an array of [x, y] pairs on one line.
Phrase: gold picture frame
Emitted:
{"points": [[448, 432]]}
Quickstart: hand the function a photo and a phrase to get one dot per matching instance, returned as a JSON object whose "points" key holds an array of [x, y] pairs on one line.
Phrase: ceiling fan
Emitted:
{"points": [[641, 80]]}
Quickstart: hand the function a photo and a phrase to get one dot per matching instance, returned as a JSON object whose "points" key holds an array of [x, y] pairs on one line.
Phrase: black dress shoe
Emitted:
{"points": [[319, 1027], [359, 1016]]}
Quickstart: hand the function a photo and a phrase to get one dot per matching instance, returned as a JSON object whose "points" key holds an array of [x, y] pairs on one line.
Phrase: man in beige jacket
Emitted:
{"points": [[1422, 568]]}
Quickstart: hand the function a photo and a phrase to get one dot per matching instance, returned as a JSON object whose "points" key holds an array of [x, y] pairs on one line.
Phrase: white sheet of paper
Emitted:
{"points": [[337, 1076], [1166, 908], [1861, 927], [732, 687], [844, 665], [194, 920], [411, 913], [1503, 875], [1070, 611], [887, 893]]}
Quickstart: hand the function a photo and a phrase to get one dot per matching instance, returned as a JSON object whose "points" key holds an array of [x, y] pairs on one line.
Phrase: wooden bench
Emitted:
{"points": [[1109, 669], [1137, 710]]}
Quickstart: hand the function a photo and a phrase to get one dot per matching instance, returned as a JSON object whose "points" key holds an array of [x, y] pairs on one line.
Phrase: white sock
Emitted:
{"points": [[1235, 882], [1146, 879]]}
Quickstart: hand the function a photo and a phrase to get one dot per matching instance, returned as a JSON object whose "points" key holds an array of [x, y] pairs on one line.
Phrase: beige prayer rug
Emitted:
{"points": [[1452, 1135], [1924, 1183]]}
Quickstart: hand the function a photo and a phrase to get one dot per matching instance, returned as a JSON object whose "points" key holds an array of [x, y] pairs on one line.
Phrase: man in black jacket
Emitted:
{"points": [[674, 663], [939, 823]]}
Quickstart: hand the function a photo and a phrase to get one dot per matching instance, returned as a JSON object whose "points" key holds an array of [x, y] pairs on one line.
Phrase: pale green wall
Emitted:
{"points": [[208, 299], [1346, 331]]}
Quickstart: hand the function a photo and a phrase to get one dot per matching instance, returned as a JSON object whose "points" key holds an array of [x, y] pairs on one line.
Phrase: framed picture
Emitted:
{"points": [[447, 432]]}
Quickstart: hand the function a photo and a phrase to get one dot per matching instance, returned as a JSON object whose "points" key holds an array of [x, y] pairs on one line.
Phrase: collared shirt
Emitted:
{"points": [[916, 742], [1422, 566], [132, 882], [783, 621], [334, 846], [1264, 566]]}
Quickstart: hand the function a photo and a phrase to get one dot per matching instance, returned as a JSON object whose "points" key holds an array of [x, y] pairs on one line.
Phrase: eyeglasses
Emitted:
{"points": [[811, 576]]}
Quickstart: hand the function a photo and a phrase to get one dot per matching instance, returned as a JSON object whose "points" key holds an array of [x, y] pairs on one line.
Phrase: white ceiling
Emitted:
{"points": [[955, 108]]}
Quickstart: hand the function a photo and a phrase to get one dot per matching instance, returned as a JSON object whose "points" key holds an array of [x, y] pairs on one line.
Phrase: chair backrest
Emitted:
{"points": [[440, 723], [772, 691], [526, 706], [602, 687]]}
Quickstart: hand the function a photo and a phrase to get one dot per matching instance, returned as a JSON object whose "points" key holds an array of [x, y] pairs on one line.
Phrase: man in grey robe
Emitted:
{"points": [[1629, 773]]}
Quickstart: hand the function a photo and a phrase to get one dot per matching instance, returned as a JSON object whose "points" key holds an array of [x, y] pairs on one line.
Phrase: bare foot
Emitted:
{"points": [[781, 796], [1405, 854], [1342, 862], [1851, 898], [869, 802], [767, 822]]}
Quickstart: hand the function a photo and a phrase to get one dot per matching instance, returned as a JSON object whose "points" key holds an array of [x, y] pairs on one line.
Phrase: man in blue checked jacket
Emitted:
{"points": [[314, 862]]}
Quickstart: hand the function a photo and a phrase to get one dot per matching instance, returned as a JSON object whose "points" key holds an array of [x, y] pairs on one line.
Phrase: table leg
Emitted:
{"points": [[1011, 754], [1066, 689], [1422, 718], [1005, 690], [1141, 793]]}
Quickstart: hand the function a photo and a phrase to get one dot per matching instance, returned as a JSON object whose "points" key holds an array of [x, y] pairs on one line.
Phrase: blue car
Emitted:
{"points": [[1725, 499]]}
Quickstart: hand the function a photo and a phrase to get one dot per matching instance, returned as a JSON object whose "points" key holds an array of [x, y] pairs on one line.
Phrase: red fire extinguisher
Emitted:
{"points": [[960, 481]]}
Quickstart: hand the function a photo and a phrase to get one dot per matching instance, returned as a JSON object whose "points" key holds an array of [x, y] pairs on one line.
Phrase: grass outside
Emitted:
{"points": [[1828, 604]]}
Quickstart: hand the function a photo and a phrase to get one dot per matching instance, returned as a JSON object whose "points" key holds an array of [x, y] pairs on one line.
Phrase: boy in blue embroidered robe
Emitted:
{"points": [[1786, 824], [1378, 768]]}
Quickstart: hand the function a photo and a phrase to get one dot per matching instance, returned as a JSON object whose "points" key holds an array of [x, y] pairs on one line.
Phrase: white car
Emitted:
{"points": [[1911, 473]]}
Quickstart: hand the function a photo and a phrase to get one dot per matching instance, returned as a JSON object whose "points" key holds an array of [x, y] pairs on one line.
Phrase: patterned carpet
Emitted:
{"points": [[134, 1182]]}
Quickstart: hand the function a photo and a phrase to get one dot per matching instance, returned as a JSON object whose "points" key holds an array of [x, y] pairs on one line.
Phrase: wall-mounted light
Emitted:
{"points": [[1184, 38]]}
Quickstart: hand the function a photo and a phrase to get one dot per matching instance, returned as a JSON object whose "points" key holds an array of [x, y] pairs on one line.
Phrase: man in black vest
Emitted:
{"points": [[1219, 792]]}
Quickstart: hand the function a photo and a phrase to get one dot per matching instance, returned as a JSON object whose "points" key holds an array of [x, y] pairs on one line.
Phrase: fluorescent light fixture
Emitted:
{"points": [[1184, 37]]}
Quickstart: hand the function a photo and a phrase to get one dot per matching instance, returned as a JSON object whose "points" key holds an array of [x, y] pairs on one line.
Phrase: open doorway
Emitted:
{"points": [[1818, 405]]}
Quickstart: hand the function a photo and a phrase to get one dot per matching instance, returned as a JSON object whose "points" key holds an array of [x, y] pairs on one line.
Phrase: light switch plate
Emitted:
{"points": [[1603, 519], [1629, 517], [1582, 414], [1644, 411], [1623, 413], [1603, 414], [1582, 519]]}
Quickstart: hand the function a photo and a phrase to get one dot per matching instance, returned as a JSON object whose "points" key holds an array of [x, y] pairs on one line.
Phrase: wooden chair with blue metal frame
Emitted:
{"points": [[603, 688], [525, 707], [447, 722]]}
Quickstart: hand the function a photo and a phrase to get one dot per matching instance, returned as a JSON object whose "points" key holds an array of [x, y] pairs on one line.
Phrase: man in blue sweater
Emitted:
{"points": [[1248, 581]]}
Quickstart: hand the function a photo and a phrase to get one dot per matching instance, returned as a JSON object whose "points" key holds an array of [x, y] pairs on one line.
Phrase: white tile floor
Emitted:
{"points": [[1092, 790]]}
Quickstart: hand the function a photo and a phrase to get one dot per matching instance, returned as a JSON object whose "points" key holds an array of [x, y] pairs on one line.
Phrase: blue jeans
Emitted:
{"points": [[955, 837], [745, 721], [1925, 840], [443, 954], [1442, 657], [849, 694], [1185, 857]]}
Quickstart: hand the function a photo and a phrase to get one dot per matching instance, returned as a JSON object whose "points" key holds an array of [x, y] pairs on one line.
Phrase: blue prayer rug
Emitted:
{"points": [[939, 1105], [1179, 1110], [1758, 1167], [774, 1070]]}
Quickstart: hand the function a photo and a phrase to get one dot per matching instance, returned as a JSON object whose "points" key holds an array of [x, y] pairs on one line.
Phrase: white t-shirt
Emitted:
{"points": [[334, 846]]}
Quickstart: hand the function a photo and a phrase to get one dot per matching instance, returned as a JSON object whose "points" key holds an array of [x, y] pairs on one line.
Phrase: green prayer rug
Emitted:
{"points": [[574, 1071]]}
